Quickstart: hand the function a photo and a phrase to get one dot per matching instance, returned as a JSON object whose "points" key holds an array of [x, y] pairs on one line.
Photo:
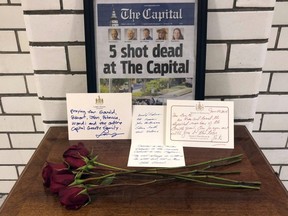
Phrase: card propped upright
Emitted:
{"points": [[147, 145], [99, 116], [207, 124]]}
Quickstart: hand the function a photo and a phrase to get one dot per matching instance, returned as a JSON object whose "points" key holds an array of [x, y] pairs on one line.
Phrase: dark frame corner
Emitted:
{"points": [[201, 49]]}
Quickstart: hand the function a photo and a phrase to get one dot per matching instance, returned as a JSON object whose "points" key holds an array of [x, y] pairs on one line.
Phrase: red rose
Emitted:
{"points": [[48, 170], [74, 155], [60, 179], [74, 197]]}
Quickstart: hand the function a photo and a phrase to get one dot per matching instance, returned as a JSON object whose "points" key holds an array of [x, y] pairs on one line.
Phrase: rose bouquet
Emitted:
{"points": [[80, 174]]}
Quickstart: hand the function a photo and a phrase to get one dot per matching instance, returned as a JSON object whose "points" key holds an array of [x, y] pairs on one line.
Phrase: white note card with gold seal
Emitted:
{"points": [[207, 124], [99, 116]]}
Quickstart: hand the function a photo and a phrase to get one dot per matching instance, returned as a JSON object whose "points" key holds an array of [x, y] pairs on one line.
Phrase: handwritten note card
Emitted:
{"points": [[200, 123], [99, 116], [147, 147]]}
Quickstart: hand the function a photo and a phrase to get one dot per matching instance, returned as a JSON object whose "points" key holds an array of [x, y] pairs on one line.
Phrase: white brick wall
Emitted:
{"points": [[239, 57], [15, 156], [255, 3], [257, 122], [20, 124], [8, 172], [12, 84], [284, 173], [20, 169], [271, 140], [264, 81], [53, 110], [48, 58], [21, 104], [245, 108], [8, 41], [77, 58], [72, 5], [234, 83], [41, 5], [6, 186], [11, 17], [59, 27], [280, 17], [271, 130], [272, 103], [272, 37], [283, 42], [277, 156], [31, 84], [23, 41], [15, 63], [276, 60], [275, 122], [59, 85], [39, 123], [15, 123], [26, 140], [216, 56], [279, 83], [224, 4], [233, 25], [4, 141]]}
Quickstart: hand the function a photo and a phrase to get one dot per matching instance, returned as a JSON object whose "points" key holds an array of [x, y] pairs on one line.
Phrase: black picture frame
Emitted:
{"points": [[200, 57]]}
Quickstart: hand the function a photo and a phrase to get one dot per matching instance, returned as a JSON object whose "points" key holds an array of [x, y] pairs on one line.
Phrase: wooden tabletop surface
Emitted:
{"points": [[29, 197]]}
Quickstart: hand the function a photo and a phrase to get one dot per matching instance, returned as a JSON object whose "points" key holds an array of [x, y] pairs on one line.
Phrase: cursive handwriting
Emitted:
{"points": [[210, 125], [107, 133]]}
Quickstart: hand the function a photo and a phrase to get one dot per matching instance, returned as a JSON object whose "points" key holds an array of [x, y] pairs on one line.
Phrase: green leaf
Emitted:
{"points": [[108, 180]]}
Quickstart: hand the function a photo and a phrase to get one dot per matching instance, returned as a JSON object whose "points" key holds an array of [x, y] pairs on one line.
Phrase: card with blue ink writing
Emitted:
{"points": [[99, 116], [207, 124], [147, 147]]}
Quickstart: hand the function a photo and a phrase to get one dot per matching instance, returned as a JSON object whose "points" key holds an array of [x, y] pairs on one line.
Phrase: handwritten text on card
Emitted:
{"points": [[105, 121], [147, 123], [156, 155], [99, 116], [210, 124], [147, 147]]}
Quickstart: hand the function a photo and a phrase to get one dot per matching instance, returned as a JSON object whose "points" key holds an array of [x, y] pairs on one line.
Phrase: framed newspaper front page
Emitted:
{"points": [[154, 49]]}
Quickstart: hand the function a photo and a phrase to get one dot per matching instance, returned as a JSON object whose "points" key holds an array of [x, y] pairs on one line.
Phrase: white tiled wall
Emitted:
{"points": [[271, 128], [216, 56], [240, 59], [223, 4], [236, 83], [276, 60], [280, 17], [11, 17], [255, 3], [51, 85], [68, 27], [233, 25], [41, 5], [238, 33], [18, 99]]}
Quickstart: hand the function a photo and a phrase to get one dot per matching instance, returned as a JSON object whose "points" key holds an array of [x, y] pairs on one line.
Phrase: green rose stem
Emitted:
{"points": [[107, 179], [234, 159], [92, 187], [194, 178], [227, 160], [228, 183]]}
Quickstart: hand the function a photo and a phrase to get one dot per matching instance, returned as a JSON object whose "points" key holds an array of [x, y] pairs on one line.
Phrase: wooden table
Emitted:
{"points": [[29, 197]]}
